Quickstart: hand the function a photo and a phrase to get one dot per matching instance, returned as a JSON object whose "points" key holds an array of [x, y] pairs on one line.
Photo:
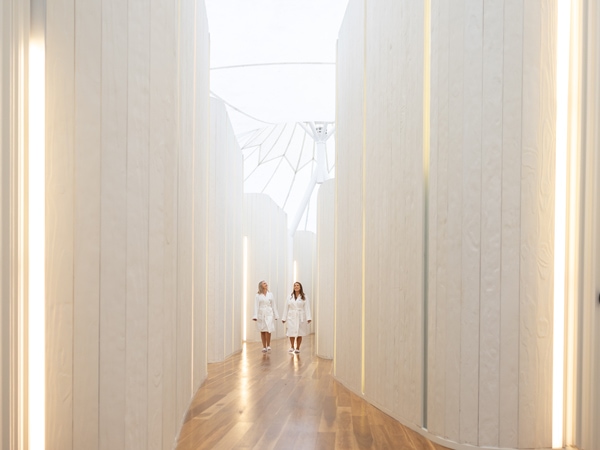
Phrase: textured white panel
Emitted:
{"points": [[138, 122], [113, 230], [471, 220], [349, 197], [265, 227], [492, 219], [511, 216], [224, 246], [394, 208], [537, 223], [162, 136], [185, 207], [491, 223], [86, 262], [305, 248], [323, 303], [59, 218], [201, 151]]}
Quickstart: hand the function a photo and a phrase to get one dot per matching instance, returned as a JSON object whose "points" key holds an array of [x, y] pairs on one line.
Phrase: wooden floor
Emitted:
{"points": [[281, 401]]}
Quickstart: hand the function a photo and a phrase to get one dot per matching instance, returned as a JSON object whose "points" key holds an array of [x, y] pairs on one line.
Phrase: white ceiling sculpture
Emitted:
{"points": [[273, 64]]}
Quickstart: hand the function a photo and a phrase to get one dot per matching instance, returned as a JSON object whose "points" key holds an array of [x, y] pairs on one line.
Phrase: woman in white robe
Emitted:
{"points": [[265, 312], [298, 317]]}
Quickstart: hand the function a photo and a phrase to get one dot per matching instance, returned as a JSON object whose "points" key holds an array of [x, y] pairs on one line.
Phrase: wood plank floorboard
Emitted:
{"points": [[283, 401]]}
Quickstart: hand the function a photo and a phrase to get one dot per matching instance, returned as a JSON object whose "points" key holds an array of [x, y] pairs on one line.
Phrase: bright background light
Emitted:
{"points": [[36, 256], [562, 84]]}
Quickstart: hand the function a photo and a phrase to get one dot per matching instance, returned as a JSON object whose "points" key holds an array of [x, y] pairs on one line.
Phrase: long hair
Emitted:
{"points": [[259, 286], [301, 291]]}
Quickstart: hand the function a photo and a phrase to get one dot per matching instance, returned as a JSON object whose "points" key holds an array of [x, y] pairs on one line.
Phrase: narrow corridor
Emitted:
{"points": [[282, 401]]}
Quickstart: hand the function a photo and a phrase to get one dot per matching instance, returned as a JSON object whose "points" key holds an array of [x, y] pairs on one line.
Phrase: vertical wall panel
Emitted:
{"points": [[511, 217], [201, 151], [136, 381], [537, 224], [59, 220], [185, 206], [491, 222], [224, 248], [127, 120], [471, 220], [264, 225], [393, 208], [305, 247], [161, 136], [86, 260], [491, 214], [113, 231], [349, 197], [323, 297], [453, 233]]}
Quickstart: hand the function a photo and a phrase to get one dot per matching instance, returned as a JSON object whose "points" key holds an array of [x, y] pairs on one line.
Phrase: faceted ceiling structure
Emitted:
{"points": [[273, 64]]}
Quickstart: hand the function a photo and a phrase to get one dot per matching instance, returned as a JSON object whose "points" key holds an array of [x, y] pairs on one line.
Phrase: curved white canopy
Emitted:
{"points": [[273, 64]]}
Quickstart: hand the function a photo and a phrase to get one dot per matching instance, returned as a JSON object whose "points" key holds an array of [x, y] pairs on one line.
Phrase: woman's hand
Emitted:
{"points": [[308, 321]]}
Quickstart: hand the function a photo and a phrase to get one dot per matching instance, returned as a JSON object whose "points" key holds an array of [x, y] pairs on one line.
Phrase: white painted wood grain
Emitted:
{"points": [[511, 223], [60, 125], [86, 261], [325, 292], [138, 99], [393, 234], [201, 151], [264, 224], [491, 222], [184, 199], [113, 229], [349, 197], [537, 223]]}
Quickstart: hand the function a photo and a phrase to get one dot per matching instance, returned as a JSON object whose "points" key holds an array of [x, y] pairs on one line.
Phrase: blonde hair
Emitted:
{"points": [[259, 286]]}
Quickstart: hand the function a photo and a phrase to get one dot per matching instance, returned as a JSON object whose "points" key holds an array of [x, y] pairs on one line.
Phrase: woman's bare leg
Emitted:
{"points": [[298, 342]]}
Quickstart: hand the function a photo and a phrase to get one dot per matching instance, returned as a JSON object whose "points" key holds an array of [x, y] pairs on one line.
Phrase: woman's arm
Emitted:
{"points": [[307, 310]]}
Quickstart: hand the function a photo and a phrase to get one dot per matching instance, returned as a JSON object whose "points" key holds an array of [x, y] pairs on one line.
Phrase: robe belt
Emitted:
{"points": [[297, 314]]}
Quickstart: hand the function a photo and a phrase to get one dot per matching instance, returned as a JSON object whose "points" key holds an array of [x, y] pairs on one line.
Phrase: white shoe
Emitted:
{"points": [[264, 350], [297, 350], [291, 350], [268, 349]]}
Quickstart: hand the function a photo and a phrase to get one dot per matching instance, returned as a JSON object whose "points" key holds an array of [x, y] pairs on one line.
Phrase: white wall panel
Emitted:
{"points": [[305, 262], [490, 214], [201, 146], [224, 248], [393, 208], [86, 262], [60, 125], [349, 198], [113, 227], [127, 145], [324, 293], [483, 178], [138, 122], [537, 224], [265, 228]]}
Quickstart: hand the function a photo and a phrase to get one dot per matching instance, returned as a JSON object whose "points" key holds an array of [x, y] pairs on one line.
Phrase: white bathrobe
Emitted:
{"points": [[265, 310], [297, 314]]}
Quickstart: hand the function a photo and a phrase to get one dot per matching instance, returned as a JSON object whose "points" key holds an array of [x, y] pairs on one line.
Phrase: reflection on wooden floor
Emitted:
{"points": [[281, 401]]}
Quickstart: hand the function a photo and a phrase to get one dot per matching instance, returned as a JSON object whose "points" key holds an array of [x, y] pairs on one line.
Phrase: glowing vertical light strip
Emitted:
{"points": [[245, 284], [560, 213], [36, 254]]}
